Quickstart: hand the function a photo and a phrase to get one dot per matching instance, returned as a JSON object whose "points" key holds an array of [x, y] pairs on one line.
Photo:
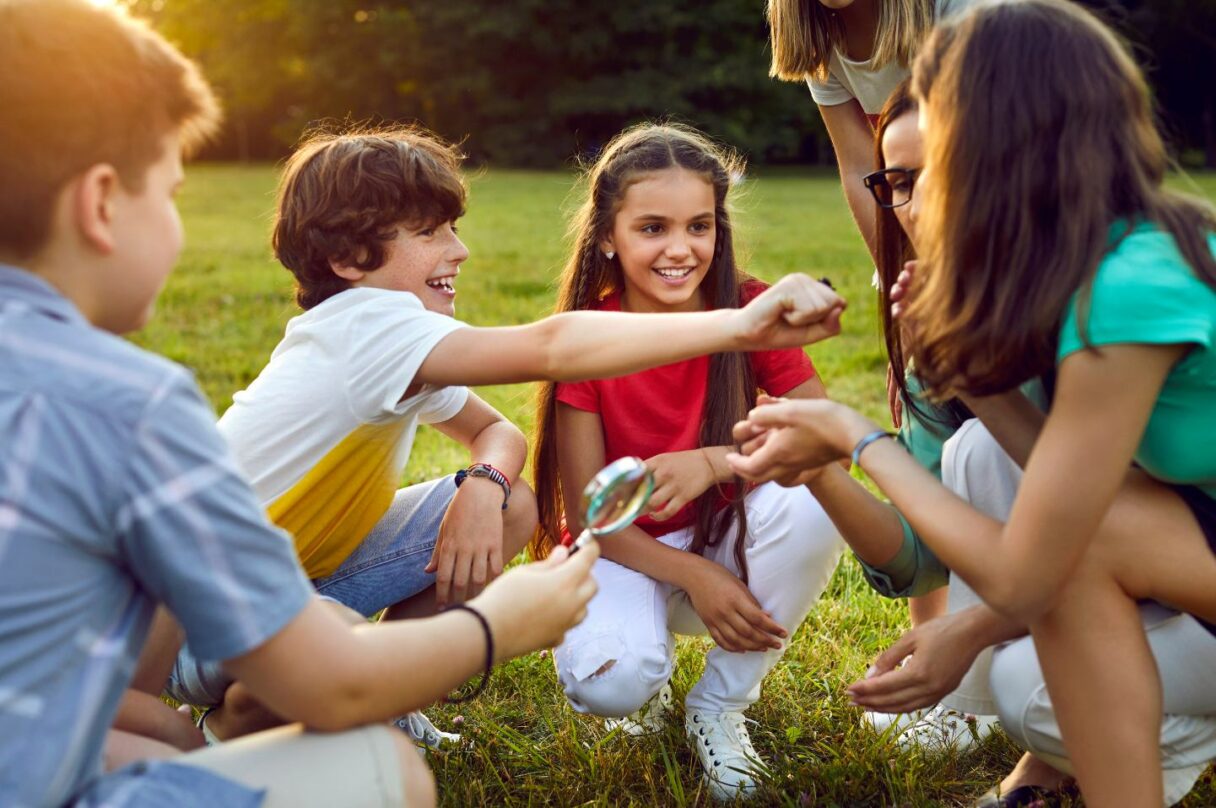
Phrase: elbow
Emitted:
{"points": [[340, 710], [1020, 598]]}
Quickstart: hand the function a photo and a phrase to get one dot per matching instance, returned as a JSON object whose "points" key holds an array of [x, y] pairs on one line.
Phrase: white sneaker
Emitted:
{"points": [[422, 732], [651, 718], [727, 756], [943, 729], [892, 723]]}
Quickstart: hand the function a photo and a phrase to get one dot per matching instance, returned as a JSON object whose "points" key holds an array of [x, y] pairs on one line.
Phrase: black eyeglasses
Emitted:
{"points": [[891, 187]]}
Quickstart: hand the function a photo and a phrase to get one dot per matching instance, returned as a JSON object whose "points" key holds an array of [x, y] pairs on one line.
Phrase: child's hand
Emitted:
{"points": [[792, 312], [782, 440], [679, 478], [901, 290], [468, 553], [731, 612], [534, 605]]}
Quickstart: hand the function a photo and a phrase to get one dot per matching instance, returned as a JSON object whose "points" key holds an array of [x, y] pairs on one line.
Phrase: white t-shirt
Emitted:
{"points": [[848, 79], [323, 433]]}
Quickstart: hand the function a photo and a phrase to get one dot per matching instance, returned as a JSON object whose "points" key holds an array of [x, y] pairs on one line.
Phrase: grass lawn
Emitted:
{"points": [[224, 310]]}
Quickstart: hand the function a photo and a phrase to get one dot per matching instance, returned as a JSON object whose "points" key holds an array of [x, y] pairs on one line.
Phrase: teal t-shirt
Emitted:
{"points": [[1145, 293]]}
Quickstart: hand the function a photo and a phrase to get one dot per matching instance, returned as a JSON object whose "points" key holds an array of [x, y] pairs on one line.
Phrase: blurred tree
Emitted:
{"points": [[537, 82]]}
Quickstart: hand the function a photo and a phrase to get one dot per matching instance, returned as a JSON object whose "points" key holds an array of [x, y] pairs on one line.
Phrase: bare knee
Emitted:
{"points": [[519, 521], [417, 782]]}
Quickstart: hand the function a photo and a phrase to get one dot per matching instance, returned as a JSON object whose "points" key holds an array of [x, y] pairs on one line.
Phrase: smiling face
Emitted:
{"points": [[903, 147], [664, 235], [422, 259]]}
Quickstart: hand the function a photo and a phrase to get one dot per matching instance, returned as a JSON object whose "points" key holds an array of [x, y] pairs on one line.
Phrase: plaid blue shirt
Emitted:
{"points": [[116, 494]]}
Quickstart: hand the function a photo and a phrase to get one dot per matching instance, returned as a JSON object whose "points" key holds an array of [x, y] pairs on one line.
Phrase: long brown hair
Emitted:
{"points": [[894, 249], [589, 276], [804, 34], [1039, 139]]}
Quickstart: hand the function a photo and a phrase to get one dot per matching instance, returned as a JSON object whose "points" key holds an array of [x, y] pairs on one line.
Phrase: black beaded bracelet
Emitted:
{"points": [[485, 677]]}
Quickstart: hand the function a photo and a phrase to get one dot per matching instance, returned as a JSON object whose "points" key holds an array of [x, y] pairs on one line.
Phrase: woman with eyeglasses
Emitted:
{"points": [[1049, 243], [976, 445], [939, 699]]}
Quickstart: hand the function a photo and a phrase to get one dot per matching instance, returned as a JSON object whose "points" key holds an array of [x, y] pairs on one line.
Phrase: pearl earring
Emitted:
{"points": [[610, 255]]}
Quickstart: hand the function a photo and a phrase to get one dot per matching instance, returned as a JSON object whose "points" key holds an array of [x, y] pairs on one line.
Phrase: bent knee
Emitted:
{"points": [[1020, 693], [519, 520], [417, 782], [608, 679]]}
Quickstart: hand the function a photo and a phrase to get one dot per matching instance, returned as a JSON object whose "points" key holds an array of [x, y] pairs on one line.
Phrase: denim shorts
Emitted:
{"points": [[386, 568], [156, 783]]}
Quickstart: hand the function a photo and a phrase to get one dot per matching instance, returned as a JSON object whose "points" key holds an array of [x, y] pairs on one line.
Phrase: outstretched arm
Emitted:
{"points": [[1018, 568], [372, 671], [574, 346]]}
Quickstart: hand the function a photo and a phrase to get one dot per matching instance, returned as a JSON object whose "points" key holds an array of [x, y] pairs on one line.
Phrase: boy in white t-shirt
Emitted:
{"points": [[366, 224]]}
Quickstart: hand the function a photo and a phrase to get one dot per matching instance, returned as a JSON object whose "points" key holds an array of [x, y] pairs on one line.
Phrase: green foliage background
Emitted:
{"points": [[539, 82]]}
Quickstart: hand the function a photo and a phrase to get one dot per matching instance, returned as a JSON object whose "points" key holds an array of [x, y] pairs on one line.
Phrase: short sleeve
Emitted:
{"points": [[444, 404], [778, 372], [1143, 293], [196, 538], [829, 91], [580, 395], [387, 337], [914, 570]]}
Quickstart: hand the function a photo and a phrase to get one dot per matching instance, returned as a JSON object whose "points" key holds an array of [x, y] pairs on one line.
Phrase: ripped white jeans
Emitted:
{"points": [[791, 549]]}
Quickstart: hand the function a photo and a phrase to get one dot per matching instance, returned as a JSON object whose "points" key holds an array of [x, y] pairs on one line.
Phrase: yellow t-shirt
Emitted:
{"points": [[323, 433]]}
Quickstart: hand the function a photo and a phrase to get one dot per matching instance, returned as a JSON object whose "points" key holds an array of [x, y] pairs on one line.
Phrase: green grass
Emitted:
{"points": [[224, 310]]}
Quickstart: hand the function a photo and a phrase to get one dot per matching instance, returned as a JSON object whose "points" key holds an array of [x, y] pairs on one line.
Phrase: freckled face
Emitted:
{"points": [[664, 236], [425, 260]]}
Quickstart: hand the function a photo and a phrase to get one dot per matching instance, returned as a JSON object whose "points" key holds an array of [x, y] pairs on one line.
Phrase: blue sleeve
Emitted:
{"points": [[195, 536], [914, 570]]}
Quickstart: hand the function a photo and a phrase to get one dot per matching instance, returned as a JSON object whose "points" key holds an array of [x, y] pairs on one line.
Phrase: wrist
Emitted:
{"points": [[484, 471], [850, 428], [687, 573]]}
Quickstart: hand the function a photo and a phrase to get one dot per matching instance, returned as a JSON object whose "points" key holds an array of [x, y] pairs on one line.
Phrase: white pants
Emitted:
{"points": [[1009, 682], [791, 550]]}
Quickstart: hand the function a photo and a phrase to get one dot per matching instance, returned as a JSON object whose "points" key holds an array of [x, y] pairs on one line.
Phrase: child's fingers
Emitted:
{"points": [[478, 573], [826, 328], [764, 622], [891, 658], [495, 562], [755, 639], [461, 572], [556, 556], [745, 431], [579, 566]]}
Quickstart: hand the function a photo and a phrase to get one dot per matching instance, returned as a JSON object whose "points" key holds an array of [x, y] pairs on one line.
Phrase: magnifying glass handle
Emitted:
{"points": [[582, 541]]}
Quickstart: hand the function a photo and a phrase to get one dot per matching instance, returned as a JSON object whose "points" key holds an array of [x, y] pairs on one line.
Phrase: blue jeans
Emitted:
{"points": [[386, 568]]}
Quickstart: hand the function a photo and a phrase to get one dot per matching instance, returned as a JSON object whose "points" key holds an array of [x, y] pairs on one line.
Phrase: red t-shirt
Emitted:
{"points": [[660, 410]]}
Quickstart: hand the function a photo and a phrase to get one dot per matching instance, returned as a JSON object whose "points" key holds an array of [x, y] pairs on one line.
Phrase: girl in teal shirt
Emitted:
{"points": [[1056, 246]]}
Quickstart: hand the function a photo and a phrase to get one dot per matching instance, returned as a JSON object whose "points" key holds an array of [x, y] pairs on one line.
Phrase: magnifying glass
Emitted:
{"points": [[616, 495]]}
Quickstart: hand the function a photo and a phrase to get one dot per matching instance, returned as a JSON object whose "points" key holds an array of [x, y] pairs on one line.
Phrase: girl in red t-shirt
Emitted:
{"points": [[744, 564]]}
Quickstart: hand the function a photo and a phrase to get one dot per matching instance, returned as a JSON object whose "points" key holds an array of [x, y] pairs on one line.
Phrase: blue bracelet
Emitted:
{"points": [[867, 440]]}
